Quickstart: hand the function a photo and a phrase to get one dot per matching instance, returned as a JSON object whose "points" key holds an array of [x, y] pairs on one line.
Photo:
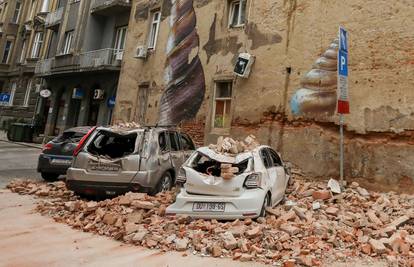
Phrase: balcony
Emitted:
{"points": [[110, 7], [54, 18], [44, 67], [107, 58]]}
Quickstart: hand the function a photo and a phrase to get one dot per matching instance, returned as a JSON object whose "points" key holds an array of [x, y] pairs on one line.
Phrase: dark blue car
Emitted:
{"points": [[56, 156]]}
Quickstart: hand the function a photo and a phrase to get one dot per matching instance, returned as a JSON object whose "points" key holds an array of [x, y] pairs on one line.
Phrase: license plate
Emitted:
{"points": [[104, 167], [61, 161], [209, 206]]}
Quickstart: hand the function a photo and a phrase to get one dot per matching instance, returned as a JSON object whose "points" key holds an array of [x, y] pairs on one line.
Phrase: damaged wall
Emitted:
{"points": [[287, 37]]}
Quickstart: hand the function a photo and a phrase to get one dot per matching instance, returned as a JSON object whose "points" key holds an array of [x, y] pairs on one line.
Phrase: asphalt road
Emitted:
{"points": [[17, 161]]}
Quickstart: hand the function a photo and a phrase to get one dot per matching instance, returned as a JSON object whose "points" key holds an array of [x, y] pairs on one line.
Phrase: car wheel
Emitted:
{"points": [[266, 202], [50, 177], [165, 183]]}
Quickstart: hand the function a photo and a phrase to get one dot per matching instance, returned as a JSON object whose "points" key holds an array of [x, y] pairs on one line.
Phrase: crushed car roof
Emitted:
{"points": [[80, 129]]}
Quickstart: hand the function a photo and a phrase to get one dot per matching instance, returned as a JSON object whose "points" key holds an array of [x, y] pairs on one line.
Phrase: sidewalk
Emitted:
{"points": [[29, 239], [3, 138]]}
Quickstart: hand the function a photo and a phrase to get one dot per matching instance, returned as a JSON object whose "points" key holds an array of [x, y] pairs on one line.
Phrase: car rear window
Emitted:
{"points": [[113, 145], [73, 137]]}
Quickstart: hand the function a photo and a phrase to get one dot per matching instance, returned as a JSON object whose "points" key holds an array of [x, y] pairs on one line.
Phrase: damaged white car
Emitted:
{"points": [[230, 187]]}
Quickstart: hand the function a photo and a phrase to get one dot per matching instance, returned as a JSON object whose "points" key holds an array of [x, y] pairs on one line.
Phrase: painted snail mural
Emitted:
{"points": [[317, 96], [184, 75]]}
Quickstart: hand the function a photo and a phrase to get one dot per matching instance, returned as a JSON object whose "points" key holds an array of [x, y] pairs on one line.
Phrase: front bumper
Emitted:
{"points": [[247, 205], [44, 164]]}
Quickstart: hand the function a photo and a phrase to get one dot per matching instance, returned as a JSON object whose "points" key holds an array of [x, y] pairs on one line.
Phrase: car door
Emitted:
{"points": [[186, 144], [277, 169], [269, 178], [176, 154]]}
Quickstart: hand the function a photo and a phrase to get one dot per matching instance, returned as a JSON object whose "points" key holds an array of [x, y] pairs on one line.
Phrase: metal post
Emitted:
{"points": [[341, 149]]}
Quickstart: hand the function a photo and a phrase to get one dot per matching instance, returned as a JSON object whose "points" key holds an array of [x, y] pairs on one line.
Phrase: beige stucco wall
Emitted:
{"points": [[292, 34]]}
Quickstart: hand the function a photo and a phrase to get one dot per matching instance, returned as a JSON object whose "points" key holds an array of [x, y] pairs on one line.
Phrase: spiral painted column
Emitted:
{"points": [[184, 75], [317, 96]]}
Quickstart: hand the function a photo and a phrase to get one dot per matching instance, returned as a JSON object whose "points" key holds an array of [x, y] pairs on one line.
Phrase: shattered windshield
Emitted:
{"points": [[114, 145]]}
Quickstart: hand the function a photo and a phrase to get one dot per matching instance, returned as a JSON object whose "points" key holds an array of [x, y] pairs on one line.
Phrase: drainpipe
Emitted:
{"points": [[45, 6]]}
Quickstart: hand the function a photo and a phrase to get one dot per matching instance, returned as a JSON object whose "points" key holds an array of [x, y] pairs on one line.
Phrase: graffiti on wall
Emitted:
{"points": [[317, 96], [184, 74]]}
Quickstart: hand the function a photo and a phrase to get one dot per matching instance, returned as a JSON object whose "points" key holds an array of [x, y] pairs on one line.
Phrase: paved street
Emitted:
{"points": [[17, 161]]}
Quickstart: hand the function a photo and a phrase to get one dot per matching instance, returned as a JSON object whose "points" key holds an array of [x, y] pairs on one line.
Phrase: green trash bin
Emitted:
{"points": [[21, 132]]}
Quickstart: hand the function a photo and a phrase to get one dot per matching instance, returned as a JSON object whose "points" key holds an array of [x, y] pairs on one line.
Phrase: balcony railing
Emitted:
{"points": [[110, 7], [54, 18], [101, 58], [44, 66]]}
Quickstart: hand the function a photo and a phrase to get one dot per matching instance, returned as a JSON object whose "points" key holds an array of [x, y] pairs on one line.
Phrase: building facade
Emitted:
{"points": [[179, 64], [84, 56], [21, 26]]}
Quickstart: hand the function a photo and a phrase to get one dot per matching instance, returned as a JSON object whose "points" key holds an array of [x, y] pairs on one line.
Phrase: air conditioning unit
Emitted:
{"points": [[119, 55], [243, 65], [141, 51], [98, 94]]}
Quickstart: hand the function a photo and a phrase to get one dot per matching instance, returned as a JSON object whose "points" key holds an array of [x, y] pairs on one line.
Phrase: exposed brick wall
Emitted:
{"points": [[194, 128]]}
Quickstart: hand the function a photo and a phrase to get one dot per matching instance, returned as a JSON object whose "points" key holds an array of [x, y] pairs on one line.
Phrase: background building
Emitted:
{"points": [[84, 55], [21, 38], [178, 52]]}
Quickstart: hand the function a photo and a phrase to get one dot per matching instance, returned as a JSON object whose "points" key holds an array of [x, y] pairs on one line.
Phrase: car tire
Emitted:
{"points": [[49, 177], [165, 183], [266, 202]]}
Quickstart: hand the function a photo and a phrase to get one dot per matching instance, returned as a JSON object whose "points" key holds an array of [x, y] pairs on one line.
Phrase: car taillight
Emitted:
{"points": [[253, 181], [47, 147], [181, 177], [82, 142]]}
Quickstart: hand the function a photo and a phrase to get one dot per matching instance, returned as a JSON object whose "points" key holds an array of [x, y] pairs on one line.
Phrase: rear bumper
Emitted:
{"points": [[248, 204], [44, 164], [100, 188]]}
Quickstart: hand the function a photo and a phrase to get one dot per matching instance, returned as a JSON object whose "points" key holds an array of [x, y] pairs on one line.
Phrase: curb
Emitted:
{"points": [[22, 144]]}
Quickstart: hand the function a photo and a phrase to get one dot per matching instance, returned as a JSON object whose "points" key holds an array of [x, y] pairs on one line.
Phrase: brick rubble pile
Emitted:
{"points": [[232, 147], [312, 226]]}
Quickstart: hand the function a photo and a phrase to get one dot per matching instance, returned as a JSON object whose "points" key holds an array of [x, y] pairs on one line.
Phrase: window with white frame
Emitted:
{"points": [[7, 51], [27, 94], [155, 26], [16, 14], [222, 104], [237, 15], [31, 11], [12, 93], [120, 38], [23, 54], [68, 43], [37, 45]]}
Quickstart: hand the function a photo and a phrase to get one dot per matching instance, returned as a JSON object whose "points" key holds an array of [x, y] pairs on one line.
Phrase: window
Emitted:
{"points": [[16, 14], [174, 142], [120, 38], [237, 15], [31, 12], [68, 43], [276, 161], [265, 158], [12, 92], [7, 50], [37, 45], [155, 25], [162, 141], [27, 94], [23, 54], [186, 143], [222, 105]]}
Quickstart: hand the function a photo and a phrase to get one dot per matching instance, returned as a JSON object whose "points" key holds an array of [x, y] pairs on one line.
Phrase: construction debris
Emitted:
{"points": [[229, 146], [317, 227]]}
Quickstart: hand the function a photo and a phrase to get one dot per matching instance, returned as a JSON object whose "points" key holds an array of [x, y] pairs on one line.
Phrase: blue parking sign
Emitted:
{"points": [[343, 39], [4, 98], [343, 63]]}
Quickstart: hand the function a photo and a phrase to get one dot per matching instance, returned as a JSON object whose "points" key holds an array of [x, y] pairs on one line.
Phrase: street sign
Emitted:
{"points": [[343, 101], [4, 98], [111, 102], [45, 93]]}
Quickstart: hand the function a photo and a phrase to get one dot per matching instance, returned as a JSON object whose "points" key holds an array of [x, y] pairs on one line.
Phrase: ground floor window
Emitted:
{"points": [[27, 94], [12, 93], [222, 104]]}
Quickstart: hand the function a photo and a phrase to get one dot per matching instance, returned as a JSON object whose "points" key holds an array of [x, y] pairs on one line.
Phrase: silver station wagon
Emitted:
{"points": [[112, 161]]}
